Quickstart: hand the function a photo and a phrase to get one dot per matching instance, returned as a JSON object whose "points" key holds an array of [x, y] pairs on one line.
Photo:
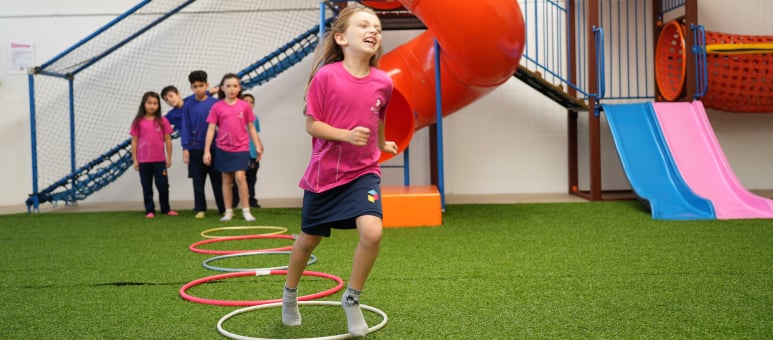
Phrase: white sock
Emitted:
{"points": [[247, 215], [351, 304], [229, 214], [291, 316]]}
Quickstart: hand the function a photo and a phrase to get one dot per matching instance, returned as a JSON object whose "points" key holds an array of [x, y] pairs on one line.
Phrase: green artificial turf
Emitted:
{"points": [[593, 270]]}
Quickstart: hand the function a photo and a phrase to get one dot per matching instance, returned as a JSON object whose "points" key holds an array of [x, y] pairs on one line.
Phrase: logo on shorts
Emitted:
{"points": [[372, 196]]}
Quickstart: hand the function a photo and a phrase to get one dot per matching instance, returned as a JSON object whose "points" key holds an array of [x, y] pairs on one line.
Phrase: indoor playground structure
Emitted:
{"points": [[588, 56], [668, 149]]}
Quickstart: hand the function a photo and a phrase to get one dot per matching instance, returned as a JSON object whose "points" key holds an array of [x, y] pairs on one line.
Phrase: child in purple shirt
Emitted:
{"points": [[150, 136], [345, 107]]}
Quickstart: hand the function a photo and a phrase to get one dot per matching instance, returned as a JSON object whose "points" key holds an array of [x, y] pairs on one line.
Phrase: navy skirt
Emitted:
{"points": [[338, 208], [232, 161]]}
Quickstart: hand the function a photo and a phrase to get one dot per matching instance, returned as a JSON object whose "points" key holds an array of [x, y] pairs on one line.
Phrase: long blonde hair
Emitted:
{"points": [[328, 51]]}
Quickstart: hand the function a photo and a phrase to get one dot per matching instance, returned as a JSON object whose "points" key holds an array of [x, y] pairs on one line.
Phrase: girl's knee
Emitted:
{"points": [[371, 235], [307, 243]]}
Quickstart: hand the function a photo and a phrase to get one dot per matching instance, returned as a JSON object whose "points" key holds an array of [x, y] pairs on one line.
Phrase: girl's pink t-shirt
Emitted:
{"points": [[231, 121], [150, 139], [344, 101]]}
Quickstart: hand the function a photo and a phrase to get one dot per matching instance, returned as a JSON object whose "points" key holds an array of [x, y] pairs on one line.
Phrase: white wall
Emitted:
{"points": [[512, 141]]}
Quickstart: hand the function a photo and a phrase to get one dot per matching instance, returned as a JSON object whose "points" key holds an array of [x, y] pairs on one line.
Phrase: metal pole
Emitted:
{"points": [[72, 134], [33, 142], [439, 125]]}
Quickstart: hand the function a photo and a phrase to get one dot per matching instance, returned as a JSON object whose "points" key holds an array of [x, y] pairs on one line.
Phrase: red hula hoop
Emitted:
{"points": [[193, 247], [197, 282]]}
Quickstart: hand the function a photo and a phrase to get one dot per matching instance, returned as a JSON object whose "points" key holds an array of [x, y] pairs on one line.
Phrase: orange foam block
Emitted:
{"points": [[411, 206]]}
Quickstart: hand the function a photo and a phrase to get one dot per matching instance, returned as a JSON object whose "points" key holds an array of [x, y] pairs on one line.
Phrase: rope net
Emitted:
{"points": [[154, 44]]}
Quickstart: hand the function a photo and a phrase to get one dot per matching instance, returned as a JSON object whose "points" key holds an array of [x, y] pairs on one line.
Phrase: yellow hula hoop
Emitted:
{"points": [[278, 230]]}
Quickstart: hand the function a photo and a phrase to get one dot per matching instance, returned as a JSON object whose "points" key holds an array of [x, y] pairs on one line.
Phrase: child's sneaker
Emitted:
{"points": [[247, 215], [229, 214], [150, 215], [172, 213], [200, 215]]}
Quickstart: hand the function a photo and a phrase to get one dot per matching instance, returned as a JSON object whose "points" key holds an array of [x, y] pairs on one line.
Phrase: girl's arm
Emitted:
{"points": [[255, 140], [134, 153], [208, 143], [383, 144], [356, 136], [168, 142]]}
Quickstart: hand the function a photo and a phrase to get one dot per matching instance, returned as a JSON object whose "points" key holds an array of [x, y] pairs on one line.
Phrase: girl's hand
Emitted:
{"points": [[358, 136], [168, 163], [390, 146], [136, 165], [207, 158]]}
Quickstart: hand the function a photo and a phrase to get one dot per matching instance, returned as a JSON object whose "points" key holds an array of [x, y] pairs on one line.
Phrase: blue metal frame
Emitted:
{"points": [[96, 33], [71, 99], [87, 179], [598, 34], [33, 141], [439, 128], [701, 68], [131, 37], [71, 195]]}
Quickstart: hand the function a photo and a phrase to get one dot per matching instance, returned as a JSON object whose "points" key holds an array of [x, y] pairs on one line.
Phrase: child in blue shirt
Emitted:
{"points": [[193, 131]]}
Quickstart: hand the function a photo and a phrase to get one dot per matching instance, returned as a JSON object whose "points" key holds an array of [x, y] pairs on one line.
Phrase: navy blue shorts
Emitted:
{"points": [[338, 208], [232, 161]]}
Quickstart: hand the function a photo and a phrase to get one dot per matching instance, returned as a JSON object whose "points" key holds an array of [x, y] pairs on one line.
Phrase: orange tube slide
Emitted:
{"points": [[481, 43], [383, 4]]}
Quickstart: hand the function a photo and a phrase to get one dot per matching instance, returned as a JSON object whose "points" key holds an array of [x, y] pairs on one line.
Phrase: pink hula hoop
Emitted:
{"points": [[197, 282], [193, 247]]}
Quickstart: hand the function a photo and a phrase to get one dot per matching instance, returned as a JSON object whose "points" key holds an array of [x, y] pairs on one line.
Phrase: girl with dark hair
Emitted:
{"points": [[151, 134]]}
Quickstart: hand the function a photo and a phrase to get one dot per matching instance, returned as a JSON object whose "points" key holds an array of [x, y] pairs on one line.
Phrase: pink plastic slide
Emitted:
{"points": [[702, 162]]}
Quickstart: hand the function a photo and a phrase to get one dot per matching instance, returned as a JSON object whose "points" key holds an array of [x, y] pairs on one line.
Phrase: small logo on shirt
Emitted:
{"points": [[372, 196], [377, 107]]}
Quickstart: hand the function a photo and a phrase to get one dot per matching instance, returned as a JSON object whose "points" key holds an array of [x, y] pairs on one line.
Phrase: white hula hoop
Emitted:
{"points": [[312, 260], [279, 304]]}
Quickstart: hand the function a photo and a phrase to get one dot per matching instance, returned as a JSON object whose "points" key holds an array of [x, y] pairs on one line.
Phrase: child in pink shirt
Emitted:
{"points": [[345, 108], [229, 117], [150, 135]]}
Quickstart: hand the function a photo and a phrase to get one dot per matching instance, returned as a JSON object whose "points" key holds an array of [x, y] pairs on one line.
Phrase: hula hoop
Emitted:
{"points": [[277, 304], [312, 260], [194, 246], [197, 282], [279, 230]]}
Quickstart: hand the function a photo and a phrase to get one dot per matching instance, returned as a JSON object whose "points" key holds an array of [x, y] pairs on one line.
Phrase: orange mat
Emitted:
{"points": [[411, 206]]}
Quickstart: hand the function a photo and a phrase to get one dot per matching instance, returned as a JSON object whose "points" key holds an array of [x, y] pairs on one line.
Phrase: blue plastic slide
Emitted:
{"points": [[650, 168]]}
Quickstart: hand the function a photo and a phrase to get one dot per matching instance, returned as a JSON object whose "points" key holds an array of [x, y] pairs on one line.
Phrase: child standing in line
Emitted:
{"points": [[150, 135], [232, 118], [172, 97], [346, 103], [254, 165], [192, 134]]}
